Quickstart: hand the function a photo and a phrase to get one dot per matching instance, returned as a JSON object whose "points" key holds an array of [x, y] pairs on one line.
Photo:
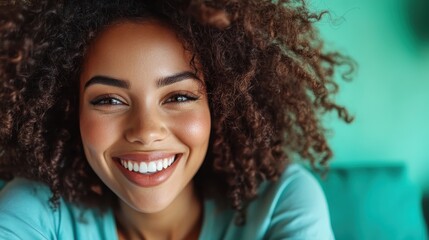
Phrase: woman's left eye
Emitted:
{"points": [[181, 98]]}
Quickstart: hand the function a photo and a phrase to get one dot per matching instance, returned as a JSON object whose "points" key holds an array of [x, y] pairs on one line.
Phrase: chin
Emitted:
{"points": [[149, 204]]}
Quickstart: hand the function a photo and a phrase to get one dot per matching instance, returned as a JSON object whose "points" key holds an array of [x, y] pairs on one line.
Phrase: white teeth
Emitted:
{"points": [[143, 167], [147, 167], [152, 167], [159, 165]]}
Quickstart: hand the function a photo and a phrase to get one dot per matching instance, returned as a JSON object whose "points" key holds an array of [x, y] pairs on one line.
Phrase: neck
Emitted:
{"points": [[182, 219]]}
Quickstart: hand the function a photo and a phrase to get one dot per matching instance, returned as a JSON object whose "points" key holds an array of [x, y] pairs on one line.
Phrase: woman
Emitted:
{"points": [[163, 120]]}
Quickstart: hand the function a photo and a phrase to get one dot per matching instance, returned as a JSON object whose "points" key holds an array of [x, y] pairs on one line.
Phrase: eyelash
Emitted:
{"points": [[183, 96], [175, 98], [106, 100]]}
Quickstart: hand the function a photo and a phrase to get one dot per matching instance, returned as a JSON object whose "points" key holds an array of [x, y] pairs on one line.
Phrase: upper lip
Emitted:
{"points": [[144, 157]]}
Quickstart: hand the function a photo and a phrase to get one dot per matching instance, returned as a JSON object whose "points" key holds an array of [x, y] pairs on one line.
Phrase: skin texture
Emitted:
{"points": [[147, 119]]}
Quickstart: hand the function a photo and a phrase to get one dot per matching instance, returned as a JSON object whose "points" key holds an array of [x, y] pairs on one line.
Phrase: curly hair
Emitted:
{"points": [[269, 80]]}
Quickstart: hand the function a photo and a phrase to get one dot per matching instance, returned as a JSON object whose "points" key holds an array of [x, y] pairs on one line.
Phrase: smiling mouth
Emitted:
{"points": [[149, 167]]}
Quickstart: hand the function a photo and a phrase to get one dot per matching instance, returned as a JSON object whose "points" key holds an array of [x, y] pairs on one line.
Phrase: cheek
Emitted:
{"points": [[194, 129], [96, 133]]}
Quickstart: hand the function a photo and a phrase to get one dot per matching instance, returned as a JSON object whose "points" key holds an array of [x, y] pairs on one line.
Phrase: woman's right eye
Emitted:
{"points": [[105, 100]]}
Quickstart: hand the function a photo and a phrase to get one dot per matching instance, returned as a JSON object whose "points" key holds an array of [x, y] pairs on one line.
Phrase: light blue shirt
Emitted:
{"points": [[294, 207]]}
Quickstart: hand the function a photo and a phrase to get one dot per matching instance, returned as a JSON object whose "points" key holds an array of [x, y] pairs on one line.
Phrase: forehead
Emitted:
{"points": [[134, 32], [148, 48]]}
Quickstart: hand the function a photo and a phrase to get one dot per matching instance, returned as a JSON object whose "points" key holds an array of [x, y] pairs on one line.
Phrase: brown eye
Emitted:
{"points": [[181, 98], [106, 101]]}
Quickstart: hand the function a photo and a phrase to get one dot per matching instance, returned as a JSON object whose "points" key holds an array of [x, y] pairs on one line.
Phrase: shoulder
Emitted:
{"points": [[296, 184], [297, 206], [23, 190], [26, 213], [293, 207], [25, 210]]}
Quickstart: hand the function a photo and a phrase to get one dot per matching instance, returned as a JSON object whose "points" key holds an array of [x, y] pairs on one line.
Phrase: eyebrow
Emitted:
{"points": [[125, 84], [107, 81], [176, 78]]}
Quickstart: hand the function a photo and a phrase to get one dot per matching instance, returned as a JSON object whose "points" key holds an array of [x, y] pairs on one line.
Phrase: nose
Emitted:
{"points": [[145, 127]]}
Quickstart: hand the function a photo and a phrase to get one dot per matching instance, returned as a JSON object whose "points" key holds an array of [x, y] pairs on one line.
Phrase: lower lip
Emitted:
{"points": [[148, 180]]}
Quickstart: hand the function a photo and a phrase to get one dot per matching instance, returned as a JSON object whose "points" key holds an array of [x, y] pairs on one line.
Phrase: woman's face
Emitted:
{"points": [[144, 116]]}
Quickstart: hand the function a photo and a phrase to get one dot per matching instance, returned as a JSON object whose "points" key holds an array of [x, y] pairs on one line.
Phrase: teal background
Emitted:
{"points": [[373, 201], [389, 94]]}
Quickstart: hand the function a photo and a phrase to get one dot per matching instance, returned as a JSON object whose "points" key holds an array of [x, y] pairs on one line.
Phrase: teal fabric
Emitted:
{"points": [[292, 208], [26, 214], [373, 201]]}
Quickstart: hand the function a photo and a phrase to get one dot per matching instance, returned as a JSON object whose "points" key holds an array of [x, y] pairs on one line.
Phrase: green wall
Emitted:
{"points": [[389, 95]]}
